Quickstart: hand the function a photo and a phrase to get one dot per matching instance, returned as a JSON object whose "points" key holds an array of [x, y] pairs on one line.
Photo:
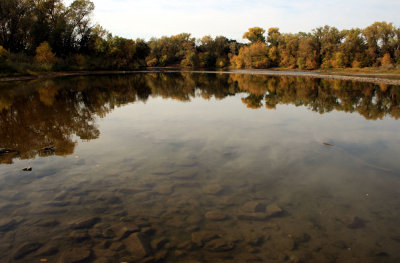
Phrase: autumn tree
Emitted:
{"points": [[307, 55], [44, 55], [255, 34], [253, 56], [386, 60], [274, 37], [353, 48], [3, 54], [288, 50]]}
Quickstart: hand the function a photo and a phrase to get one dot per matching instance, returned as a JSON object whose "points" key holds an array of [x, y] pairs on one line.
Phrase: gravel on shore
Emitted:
{"points": [[369, 78]]}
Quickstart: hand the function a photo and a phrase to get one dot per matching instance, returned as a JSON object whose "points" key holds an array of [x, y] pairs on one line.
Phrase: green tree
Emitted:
{"points": [[15, 21]]}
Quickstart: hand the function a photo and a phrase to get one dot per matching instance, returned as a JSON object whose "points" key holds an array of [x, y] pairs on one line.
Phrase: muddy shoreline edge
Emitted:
{"points": [[368, 78]]}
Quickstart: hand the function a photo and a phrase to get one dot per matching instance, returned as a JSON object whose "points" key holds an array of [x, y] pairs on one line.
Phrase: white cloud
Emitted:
{"points": [[232, 18]]}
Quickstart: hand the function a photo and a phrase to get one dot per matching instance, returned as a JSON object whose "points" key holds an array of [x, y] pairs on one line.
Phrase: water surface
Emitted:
{"points": [[199, 168]]}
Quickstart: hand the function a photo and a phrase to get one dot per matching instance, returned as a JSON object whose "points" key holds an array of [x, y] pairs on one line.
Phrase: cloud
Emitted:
{"points": [[231, 18]]}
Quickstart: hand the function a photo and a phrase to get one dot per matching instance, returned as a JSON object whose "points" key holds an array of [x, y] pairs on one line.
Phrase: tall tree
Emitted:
{"points": [[255, 34]]}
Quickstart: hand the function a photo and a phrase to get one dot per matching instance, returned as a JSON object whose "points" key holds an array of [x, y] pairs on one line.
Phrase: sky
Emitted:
{"points": [[231, 18]]}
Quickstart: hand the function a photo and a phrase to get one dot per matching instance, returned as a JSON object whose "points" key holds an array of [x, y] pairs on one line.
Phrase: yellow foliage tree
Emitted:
{"points": [[339, 61], [255, 34], [356, 64], [386, 60], [3, 54], [44, 55], [253, 56]]}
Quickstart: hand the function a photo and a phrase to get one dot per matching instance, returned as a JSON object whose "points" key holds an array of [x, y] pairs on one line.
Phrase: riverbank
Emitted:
{"points": [[376, 78]]}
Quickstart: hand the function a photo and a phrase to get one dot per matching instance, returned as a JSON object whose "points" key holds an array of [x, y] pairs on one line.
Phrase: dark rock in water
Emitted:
{"points": [[219, 245], [396, 237], [46, 251], [27, 169], [161, 255], [142, 222], [380, 254], [164, 189], [85, 223], [255, 239], [253, 216], [132, 190], [117, 246], [304, 238], [340, 244], [123, 231], [274, 210], [193, 220], [187, 245], [356, 222], [254, 207], [179, 253], [61, 196], [109, 198], [79, 235], [48, 223], [76, 255], [104, 244], [137, 246], [8, 224], [187, 163], [108, 233], [200, 237], [26, 249], [352, 222], [148, 230], [102, 231], [163, 172], [285, 243], [254, 250], [183, 175], [158, 243], [216, 216], [150, 259], [213, 189], [103, 260], [14, 205], [58, 203]]}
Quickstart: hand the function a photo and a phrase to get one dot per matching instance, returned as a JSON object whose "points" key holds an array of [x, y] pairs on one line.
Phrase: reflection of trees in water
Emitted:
{"points": [[321, 95], [43, 117]]}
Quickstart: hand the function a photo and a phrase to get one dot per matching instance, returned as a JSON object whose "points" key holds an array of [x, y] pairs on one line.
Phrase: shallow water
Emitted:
{"points": [[199, 168]]}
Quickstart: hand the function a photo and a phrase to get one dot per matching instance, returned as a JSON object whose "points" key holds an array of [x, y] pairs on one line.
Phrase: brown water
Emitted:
{"points": [[199, 168]]}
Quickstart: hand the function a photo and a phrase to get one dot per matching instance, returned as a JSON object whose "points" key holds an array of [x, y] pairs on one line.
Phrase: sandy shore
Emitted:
{"points": [[369, 78]]}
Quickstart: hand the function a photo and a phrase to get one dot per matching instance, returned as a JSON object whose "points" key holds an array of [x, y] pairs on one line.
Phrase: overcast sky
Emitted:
{"points": [[231, 18]]}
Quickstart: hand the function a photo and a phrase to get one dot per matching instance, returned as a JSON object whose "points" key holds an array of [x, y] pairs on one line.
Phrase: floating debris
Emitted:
{"points": [[327, 144], [26, 169]]}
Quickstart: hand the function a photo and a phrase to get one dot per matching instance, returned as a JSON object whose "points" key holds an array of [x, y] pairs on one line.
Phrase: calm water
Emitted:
{"points": [[199, 168]]}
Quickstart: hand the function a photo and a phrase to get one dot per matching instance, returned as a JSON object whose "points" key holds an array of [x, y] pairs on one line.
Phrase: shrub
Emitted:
{"points": [[386, 61], [44, 55], [3, 54]]}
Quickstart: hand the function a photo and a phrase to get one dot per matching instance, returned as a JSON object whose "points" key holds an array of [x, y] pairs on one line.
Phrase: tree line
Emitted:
{"points": [[325, 47], [48, 35]]}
